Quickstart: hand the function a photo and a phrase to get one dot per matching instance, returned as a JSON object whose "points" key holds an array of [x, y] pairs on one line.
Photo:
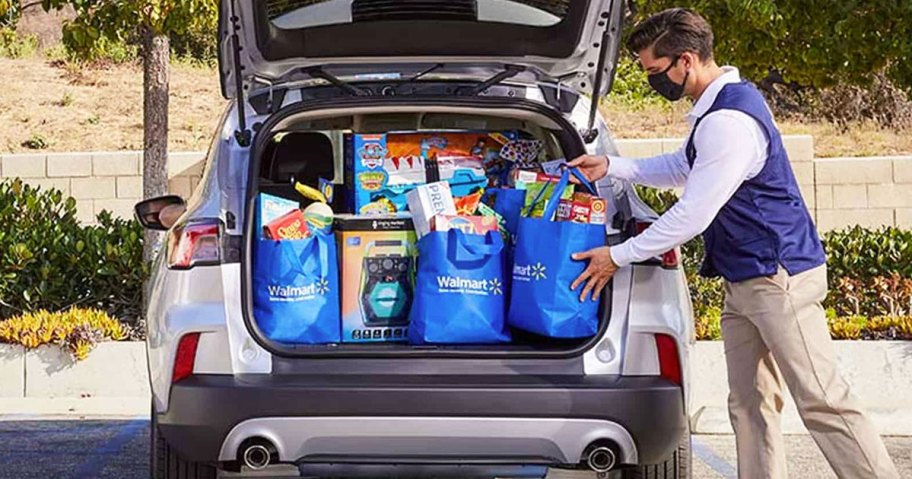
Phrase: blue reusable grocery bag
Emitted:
{"points": [[541, 299], [296, 290], [459, 290], [509, 203]]}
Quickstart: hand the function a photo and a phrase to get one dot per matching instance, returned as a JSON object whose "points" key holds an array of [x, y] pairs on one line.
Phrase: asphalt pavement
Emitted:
{"points": [[32, 447]]}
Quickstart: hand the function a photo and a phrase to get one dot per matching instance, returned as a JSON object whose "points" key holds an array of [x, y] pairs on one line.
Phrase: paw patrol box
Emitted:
{"points": [[382, 168], [377, 258]]}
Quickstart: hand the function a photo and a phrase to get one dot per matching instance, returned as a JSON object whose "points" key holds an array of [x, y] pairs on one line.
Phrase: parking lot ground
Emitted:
{"points": [[86, 449]]}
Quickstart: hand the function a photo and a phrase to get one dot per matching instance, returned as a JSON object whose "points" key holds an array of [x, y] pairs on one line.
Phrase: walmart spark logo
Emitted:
{"points": [[322, 287], [527, 273], [495, 286]]}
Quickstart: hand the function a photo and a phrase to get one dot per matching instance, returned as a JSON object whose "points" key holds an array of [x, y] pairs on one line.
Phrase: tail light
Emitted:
{"points": [[668, 259], [669, 361], [194, 244], [186, 357]]}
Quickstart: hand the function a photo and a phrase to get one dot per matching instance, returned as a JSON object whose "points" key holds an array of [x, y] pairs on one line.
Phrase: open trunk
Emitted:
{"points": [[304, 142]]}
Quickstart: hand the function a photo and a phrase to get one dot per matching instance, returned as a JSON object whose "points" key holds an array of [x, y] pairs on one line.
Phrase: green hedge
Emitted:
{"points": [[49, 261]]}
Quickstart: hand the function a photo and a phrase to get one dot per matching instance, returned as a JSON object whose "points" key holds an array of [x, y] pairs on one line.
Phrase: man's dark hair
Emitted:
{"points": [[673, 32]]}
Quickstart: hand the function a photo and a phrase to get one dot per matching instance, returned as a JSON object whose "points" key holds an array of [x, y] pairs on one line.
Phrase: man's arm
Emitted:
{"points": [[662, 171], [726, 154]]}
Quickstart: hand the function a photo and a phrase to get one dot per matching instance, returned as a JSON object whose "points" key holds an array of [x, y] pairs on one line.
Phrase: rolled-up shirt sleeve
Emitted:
{"points": [[662, 171], [726, 153]]}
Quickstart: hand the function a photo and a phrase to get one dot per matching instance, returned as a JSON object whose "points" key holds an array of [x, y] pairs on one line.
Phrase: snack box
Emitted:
{"points": [[583, 208], [271, 208], [377, 260], [291, 226], [427, 201], [384, 167], [477, 225]]}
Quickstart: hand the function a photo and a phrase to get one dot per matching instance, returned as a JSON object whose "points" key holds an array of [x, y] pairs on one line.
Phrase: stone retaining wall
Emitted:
{"points": [[840, 192]]}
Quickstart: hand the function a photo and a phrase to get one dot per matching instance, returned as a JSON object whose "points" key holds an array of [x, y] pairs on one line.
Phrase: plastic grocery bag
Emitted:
{"points": [[459, 291], [541, 299], [296, 290]]}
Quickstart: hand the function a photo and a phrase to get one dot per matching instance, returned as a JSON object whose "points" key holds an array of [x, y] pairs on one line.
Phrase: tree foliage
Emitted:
{"points": [[119, 20], [816, 43]]}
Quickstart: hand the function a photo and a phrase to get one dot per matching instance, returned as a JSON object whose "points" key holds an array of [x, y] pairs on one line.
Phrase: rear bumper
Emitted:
{"points": [[490, 419]]}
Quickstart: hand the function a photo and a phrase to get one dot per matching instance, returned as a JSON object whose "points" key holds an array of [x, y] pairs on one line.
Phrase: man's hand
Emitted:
{"points": [[594, 168], [596, 276]]}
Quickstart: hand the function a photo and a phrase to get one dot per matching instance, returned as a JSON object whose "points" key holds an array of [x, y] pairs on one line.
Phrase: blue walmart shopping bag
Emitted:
{"points": [[459, 290], [296, 290], [509, 203], [541, 300]]}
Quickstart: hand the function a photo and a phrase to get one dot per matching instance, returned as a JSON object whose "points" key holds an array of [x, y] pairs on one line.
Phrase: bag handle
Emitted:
{"points": [[558, 191], [561, 186], [474, 247], [301, 264]]}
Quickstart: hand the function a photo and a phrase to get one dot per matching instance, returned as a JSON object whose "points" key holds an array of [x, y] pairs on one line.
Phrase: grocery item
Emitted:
{"points": [[485, 210], [387, 166], [427, 201], [291, 226], [538, 194], [478, 225], [310, 193], [328, 189], [583, 208], [319, 217], [468, 205], [271, 207], [377, 264], [523, 154]]}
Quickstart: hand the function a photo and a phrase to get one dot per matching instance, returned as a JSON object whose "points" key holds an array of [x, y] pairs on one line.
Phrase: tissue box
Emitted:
{"points": [[427, 201], [384, 167], [377, 260], [473, 225]]}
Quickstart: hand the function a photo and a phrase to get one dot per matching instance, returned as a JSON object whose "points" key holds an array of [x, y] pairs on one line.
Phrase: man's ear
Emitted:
{"points": [[689, 60]]}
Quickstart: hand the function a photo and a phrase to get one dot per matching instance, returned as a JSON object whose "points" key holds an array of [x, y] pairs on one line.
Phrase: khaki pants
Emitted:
{"points": [[775, 328]]}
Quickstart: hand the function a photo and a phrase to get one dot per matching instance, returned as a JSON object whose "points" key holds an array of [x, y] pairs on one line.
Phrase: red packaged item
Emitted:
{"points": [[598, 211], [290, 226], [478, 225]]}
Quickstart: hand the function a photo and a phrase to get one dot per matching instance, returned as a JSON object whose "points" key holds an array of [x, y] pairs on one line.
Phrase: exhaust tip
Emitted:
{"points": [[257, 457], [601, 459]]}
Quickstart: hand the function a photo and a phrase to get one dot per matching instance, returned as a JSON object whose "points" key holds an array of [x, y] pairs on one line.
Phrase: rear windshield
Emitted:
{"points": [[298, 14]]}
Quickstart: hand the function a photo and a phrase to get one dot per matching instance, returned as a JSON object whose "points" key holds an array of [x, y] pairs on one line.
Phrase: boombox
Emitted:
{"points": [[387, 284], [377, 257]]}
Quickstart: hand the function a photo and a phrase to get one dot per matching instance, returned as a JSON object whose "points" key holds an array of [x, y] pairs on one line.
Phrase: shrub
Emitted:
{"points": [[48, 260], [36, 142], [863, 254], [14, 45], [76, 330]]}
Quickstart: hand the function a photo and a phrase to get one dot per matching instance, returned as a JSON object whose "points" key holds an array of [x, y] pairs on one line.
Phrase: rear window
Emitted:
{"points": [[299, 14]]}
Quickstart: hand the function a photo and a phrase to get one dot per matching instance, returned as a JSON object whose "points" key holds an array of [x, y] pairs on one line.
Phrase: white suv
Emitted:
{"points": [[228, 399]]}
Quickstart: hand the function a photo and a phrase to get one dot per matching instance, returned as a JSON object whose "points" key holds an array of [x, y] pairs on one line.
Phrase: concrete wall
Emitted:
{"points": [[840, 192], [100, 181]]}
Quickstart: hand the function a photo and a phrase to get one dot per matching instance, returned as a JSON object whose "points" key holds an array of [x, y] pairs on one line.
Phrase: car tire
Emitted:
{"points": [[166, 464], [678, 466]]}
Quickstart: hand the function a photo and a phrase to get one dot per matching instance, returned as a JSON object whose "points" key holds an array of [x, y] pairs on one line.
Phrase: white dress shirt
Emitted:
{"points": [[731, 148]]}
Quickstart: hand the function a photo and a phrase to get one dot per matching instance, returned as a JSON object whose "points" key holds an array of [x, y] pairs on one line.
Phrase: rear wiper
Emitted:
{"points": [[509, 72], [321, 74]]}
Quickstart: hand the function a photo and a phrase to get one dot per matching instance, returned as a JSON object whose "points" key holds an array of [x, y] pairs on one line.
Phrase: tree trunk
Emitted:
{"points": [[156, 79]]}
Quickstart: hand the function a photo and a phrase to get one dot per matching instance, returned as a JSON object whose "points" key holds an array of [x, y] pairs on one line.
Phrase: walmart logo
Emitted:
{"points": [[530, 272], [298, 293], [495, 286], [451, 284]]}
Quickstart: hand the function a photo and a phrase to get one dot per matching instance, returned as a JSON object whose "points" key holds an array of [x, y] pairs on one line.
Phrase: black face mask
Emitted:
{"points": [[665, 87]]}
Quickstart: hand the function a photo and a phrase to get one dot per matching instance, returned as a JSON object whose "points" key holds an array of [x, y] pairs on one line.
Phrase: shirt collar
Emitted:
{"points": [[730, 75]]}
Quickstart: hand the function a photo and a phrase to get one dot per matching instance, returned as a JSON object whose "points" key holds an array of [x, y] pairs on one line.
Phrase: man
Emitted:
{"points": [[741, 193]]}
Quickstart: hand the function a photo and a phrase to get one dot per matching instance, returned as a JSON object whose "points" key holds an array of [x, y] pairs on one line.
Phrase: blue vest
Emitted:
{"points": [[766, 223]]}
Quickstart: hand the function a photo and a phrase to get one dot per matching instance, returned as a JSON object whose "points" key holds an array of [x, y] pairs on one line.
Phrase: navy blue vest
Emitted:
{"points": [[766, 223]]}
